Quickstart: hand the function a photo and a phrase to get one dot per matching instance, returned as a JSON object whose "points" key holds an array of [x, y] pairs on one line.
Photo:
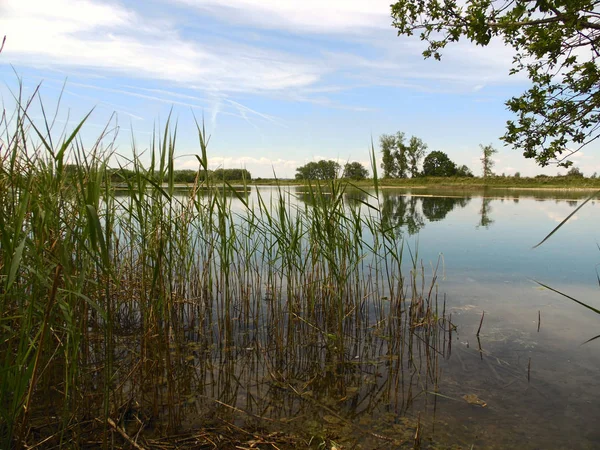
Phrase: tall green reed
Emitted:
{"points": [[130, 302]]}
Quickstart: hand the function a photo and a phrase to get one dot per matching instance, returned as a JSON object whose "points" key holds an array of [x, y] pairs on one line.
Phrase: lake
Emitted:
{"points": [[527, 381], [303, 317]]}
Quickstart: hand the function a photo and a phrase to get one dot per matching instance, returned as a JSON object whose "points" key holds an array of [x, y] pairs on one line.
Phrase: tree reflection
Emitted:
{"points": [[437, 208], [485, 220], [399, 211]]}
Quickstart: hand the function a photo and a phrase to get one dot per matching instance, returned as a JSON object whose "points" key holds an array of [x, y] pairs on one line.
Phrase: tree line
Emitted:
{"points": [[329, 170], [120, 175], [401, 158]]}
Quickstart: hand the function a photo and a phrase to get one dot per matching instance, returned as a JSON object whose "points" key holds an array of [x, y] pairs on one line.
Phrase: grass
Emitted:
{"points": [[135, 316], [468, 183]]}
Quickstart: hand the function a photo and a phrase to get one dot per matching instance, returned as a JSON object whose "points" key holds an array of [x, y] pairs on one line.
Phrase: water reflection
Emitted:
{"points": [[437, 208], [484, 213], [405, 213], [402, 212]]}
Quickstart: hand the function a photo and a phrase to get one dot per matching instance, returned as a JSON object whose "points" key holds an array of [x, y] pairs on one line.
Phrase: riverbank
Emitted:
{"points": [[540, 182]]}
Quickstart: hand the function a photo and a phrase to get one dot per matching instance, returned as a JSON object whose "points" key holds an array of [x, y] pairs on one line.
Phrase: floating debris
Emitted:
{"points": [[473, 399]]}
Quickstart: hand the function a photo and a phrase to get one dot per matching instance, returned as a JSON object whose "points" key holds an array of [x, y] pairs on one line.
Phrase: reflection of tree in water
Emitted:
{"points": [[485, 211], [401, 211], [357, 197], [437, 208]]}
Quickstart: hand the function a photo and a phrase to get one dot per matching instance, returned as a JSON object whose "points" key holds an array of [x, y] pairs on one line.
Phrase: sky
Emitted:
{"points": [[277, 83]]}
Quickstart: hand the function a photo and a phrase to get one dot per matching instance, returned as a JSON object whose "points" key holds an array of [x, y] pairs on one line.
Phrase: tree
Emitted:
{"points": [[355, 171], [438, 164], [399, 159], [231, 174], [557, 46], [414, 153], [464, 171], [388, 159], [395, 163], [321, 170], [487, 161], [575, 173]]}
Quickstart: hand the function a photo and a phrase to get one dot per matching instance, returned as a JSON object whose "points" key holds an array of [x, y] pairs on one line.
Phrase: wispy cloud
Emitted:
{"points": [[240, 162], [106, 36], [331, 16]]}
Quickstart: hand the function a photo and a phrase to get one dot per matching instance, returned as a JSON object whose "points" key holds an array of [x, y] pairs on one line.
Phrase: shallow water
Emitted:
{"points": [[381, 380], [539, 386]]}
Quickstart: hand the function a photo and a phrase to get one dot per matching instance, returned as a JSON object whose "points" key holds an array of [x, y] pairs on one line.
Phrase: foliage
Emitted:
{"points": [[231, 175], [401, 159], [575, 172], [394, 163], [321, 170], [438, 164], [415, 152], [556, 45], [355, 171], [464, 171], [486, 160]]}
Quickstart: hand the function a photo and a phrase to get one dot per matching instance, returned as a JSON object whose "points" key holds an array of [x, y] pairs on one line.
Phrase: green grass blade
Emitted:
{"points": [[566, 219], [15, 264], [597, 311]]}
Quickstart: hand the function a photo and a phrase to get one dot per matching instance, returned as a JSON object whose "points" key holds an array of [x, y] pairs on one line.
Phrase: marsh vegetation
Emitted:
{"points": [[132, 316]]}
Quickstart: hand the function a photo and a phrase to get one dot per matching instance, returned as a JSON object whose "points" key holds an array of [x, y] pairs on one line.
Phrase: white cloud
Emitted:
{"points": [[90, 36], [94, 35]]}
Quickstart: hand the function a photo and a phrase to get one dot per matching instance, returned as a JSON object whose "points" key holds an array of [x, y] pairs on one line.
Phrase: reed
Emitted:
{"points": [[135, 313]]}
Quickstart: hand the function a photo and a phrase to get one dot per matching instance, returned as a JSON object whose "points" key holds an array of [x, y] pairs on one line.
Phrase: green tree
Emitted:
{"points": [[394, 160], [388, 149], [438, 164], [231, 175], [556, 44], [464, 171], [400, 159], [486, 159], [414, 154], [320, 170], [355, 171], [575, 172]]}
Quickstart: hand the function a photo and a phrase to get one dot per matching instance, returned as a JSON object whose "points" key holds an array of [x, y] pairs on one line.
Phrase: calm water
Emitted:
{"points": [[540, 387]]}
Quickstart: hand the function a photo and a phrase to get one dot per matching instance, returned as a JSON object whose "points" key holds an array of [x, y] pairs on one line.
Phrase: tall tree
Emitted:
{"points": [[557, 45], [486, 160], [388, 150], [399, 159], [415, 152]]}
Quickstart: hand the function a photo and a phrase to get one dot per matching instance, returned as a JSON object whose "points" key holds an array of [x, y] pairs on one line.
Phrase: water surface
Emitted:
{"points": [[538, 383]]}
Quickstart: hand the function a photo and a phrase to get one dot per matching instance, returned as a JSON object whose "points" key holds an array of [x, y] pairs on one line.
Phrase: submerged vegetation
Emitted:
{"points": [[131, 318]]}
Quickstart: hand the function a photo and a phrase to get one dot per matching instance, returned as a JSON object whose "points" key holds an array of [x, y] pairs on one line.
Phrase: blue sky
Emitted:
{"points": [[279, 83]]}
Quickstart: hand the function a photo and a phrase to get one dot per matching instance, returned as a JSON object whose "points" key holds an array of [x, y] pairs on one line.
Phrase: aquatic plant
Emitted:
{"points": [[128, 306]]}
